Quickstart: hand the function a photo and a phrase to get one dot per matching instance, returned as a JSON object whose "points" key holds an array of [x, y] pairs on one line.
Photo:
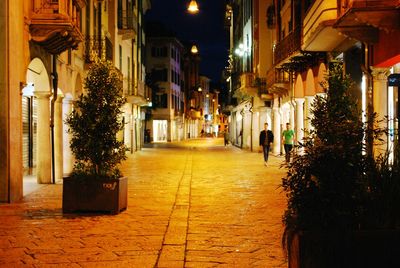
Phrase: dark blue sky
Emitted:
{"points": [[205, 29]]}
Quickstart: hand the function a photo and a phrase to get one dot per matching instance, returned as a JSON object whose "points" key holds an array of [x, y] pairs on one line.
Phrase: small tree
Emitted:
{"points": [[95, 122], [325, 185]]}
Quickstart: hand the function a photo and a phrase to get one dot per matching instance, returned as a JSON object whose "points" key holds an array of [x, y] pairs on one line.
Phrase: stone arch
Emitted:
{"points": [[36, 114], [78, 89], [322, 72], [37, 78], [309, 85], [299, 87]]}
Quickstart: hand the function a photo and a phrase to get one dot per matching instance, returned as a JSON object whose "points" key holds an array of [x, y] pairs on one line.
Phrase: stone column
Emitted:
{"points": [[43, 162], [68, 159], [308, 116], [380, 104], [276, 128], [299, 119], [58, 138], [291, 114]]}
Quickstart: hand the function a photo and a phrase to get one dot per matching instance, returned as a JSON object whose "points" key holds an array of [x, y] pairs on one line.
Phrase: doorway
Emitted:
{"points": [[160, 128]]}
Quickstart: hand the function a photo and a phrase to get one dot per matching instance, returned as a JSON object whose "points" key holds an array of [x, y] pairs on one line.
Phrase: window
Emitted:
{"points": [[69, 56], [172, 53], [87, 20], [164, 101], [159, 75], [159, 52]]}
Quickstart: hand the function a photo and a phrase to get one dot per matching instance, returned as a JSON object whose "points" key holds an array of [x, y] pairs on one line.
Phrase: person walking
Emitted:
{"points": [[266, 138], [226, 137], [288, 141]]}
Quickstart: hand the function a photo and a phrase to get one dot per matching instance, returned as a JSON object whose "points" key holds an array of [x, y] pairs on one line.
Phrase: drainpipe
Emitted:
{"points": [[292, 102], [55, 87], [138, 62], [251, 124]]}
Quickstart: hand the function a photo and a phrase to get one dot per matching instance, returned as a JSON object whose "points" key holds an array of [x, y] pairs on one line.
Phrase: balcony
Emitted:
{"points": [[127, 24], [362, 19], [247, 86], [318, 31], [289, 46], [263, 91], [141, 97], [278, 81], [55, 24], [98, 46]]}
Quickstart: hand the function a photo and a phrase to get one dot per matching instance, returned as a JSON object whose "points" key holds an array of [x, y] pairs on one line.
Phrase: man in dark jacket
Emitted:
{"points": [[266, 138]]}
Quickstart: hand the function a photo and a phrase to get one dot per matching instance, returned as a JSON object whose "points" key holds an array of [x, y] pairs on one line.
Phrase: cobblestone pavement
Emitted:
{"points": [[191, 204]]}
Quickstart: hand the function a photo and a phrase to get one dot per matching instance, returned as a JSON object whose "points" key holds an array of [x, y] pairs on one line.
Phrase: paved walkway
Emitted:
{"points": [[191, 204]]}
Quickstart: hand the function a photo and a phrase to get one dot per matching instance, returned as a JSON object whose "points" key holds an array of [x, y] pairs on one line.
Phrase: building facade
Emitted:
{"points": [[293, 44], [165, 64], [249, 59], [47, 48]]}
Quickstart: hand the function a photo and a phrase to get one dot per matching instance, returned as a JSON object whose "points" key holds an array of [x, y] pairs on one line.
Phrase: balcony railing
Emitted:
{"points": [[127, 20], [277, 81], [247, 80], [97, 46], [288, 46], [55, 24], [127, 24]]}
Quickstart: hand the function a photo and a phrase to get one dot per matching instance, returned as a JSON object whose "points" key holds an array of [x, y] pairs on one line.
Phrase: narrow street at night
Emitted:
{"points": [[191, 204]]}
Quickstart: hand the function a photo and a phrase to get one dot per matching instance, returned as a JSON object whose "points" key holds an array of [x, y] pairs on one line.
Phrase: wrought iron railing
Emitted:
{"points": [[277, 76], [97, 46], [126, 20], [289, 45]]}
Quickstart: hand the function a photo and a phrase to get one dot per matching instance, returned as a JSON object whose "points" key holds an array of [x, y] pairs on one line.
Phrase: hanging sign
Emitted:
{"points": [[394, 80]]}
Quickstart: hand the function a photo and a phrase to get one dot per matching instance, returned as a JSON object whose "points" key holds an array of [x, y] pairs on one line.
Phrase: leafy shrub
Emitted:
{"points": [[95, 122]]}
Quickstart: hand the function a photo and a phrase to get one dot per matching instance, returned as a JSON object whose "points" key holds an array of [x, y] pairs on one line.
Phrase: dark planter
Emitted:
{"points": [[361, 249], [100, 195]]}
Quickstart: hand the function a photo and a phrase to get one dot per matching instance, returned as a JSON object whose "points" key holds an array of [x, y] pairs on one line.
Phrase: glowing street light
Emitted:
{"points": [[193, 7], [194, 49]]}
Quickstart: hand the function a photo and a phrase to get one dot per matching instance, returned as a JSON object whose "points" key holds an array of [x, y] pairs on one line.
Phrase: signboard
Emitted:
{"points": [[394, 80]]}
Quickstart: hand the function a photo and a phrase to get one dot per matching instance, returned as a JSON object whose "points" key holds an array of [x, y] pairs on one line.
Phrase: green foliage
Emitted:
{"points": [[324, 184], [333, 184], [95, 122], [383, 202]]}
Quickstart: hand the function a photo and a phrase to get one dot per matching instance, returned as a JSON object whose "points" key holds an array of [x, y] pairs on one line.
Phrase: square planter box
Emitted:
{"points": [[360, 249], [99, 195]]}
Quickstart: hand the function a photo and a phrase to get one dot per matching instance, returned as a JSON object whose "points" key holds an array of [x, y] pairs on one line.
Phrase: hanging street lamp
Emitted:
{"points": [[193, 7], [194, 49]]}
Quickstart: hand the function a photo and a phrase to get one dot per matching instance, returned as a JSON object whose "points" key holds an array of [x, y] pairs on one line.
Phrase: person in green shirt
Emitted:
{"points": [[288, 141]]}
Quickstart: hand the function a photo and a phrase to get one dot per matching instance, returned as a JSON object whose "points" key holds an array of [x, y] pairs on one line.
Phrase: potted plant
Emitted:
{"points": [[96, 183], [332, 185]]}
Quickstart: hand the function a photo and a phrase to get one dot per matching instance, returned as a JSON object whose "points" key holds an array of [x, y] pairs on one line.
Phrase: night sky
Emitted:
{"points": [[205, 28]]}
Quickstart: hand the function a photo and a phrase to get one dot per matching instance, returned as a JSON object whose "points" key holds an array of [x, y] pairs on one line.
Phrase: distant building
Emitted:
{"points": [[164, 56]]}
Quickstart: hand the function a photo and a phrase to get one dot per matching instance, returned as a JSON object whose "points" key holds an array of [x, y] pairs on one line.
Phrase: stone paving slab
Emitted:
{"points": [[191, 204]]}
